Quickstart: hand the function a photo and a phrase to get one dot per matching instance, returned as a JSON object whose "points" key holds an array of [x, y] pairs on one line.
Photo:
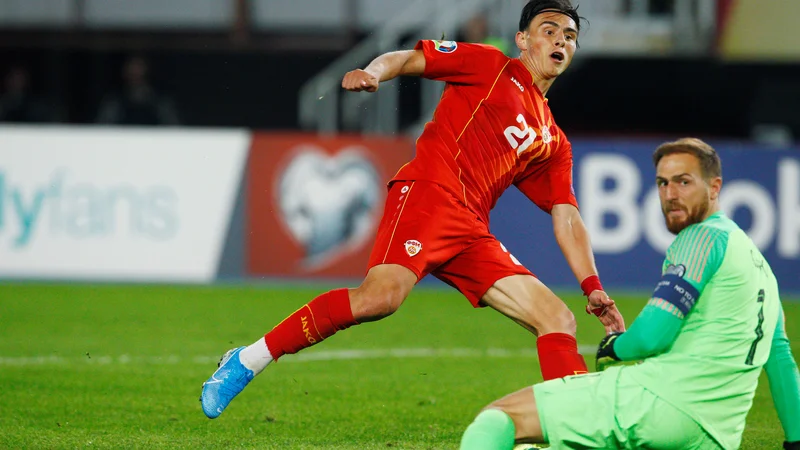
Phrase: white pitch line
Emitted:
{"points": [[313, 356]]}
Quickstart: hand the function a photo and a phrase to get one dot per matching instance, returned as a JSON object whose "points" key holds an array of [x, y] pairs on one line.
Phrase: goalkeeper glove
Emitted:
{"points": [[795, 445], [606, 356]]}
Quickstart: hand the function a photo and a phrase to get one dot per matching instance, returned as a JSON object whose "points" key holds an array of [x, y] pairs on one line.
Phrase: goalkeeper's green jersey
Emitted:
{"points": [[711, 371]]}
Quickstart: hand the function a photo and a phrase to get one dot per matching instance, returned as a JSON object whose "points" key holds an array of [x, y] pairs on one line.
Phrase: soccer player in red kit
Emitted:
{"points": [[492, 128]]}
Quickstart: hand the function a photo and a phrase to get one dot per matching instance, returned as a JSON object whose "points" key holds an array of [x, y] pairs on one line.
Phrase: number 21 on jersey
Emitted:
{"points": [[515, 134]]}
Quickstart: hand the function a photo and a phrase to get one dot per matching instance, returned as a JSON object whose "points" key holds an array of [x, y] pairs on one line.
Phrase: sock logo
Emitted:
{"points": [[306, 331], [413, 247]]}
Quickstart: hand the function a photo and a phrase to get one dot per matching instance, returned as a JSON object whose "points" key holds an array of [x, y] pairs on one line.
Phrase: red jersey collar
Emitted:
{"points": [[528, 78]]}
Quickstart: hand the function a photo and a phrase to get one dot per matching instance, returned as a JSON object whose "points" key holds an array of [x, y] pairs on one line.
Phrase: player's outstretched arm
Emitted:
{"points": [[384, 68], [573, 239], [784, 384]]}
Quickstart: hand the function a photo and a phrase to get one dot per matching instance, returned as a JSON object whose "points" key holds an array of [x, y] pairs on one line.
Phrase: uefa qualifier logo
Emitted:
{"points": [[328, 203], [445, 46]]}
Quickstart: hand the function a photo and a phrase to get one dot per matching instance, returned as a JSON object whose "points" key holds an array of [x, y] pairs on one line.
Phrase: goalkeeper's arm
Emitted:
{"points": [[656, 327], [652, 333], [659, 324], [784, 383]]}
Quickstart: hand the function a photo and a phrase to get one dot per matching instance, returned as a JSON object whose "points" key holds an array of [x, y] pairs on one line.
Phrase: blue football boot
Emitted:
{"points": [[225, 384]]}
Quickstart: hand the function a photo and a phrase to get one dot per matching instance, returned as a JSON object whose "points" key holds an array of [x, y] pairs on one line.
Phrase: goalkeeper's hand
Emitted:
{"points": [[795, 445], [606, 357]]}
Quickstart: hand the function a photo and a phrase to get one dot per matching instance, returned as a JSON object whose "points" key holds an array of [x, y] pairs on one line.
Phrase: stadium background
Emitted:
{"points": [[175, 175]]}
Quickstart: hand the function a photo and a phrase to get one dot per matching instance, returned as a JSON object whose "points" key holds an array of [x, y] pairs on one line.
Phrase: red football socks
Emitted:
{"points": [[315, 321], [558, 356]]}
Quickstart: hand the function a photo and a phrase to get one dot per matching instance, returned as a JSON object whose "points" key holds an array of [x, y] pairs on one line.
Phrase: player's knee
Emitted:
{"points": [[374, 301], [568, 322], [494, 405], [524, 417], [559, 320]]}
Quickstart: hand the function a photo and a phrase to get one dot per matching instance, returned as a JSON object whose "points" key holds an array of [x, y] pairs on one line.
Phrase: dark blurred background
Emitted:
{"points": [[715, 68]]}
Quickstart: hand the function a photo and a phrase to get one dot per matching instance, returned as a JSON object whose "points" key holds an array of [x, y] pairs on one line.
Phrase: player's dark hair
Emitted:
{"points": [[535, 7], [710, 164]]}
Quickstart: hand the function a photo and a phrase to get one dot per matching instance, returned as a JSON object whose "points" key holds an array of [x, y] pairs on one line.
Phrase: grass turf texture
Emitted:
{"points": [[122, 366]]}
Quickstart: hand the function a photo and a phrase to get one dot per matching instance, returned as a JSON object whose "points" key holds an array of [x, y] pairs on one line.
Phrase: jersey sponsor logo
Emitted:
{"points": [[521, 89], [678, 270], [445, 46], [413, 247], [546, 136]]}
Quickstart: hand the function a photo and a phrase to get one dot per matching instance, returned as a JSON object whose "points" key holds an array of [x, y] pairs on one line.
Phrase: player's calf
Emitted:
{"points": [[382, 292], [530, 303]]}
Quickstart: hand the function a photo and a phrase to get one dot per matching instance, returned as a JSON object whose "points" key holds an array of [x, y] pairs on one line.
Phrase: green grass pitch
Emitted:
{"points": [[84, 366]]}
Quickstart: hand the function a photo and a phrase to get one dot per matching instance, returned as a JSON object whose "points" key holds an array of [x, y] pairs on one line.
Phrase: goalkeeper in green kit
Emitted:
{"points": [[714, 320]]}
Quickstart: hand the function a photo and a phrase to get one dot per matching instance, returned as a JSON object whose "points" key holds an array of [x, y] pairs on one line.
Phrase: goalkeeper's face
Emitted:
{"points": [[686, 196]]}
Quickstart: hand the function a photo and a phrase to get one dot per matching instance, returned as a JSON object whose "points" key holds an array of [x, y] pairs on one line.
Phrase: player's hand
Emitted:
{"points": [[606, 311], [360, 80], [612, 320], [606, 357]]}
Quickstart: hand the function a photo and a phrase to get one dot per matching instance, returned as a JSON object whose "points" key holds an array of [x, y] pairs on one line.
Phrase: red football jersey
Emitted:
{"points": [[492, 128]]}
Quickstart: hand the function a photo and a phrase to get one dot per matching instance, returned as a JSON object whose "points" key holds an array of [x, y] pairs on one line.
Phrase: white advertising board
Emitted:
{"points": [[118, 204]]}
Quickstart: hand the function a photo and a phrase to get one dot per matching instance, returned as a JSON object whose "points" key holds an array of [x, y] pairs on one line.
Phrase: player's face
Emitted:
{"points": [[685, 195], [549, 43]]}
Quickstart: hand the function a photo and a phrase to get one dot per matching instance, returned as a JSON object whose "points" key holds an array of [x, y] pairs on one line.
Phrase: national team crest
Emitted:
{"points": [[413, 247], [445, 46], [546, 136], [678, 270]]}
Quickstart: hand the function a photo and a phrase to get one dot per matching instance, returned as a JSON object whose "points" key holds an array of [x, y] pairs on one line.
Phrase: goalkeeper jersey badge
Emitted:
{"points": [[673, 269], [413, 247]]}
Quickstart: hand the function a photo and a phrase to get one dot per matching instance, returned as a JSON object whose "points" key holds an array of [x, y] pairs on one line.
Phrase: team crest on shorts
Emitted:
{"points": [[413, 247], [445, 46]]}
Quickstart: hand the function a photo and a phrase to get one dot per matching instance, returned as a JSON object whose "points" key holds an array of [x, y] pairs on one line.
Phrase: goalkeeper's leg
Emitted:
{"points": [[598, 410], [512, 419]]}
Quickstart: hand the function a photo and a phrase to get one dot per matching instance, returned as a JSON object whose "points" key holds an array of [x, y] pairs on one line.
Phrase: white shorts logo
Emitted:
{"points": [[413, 247]]}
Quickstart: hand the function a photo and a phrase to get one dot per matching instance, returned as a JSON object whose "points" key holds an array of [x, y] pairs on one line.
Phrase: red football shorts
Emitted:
{"points": [[427, 230]]}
